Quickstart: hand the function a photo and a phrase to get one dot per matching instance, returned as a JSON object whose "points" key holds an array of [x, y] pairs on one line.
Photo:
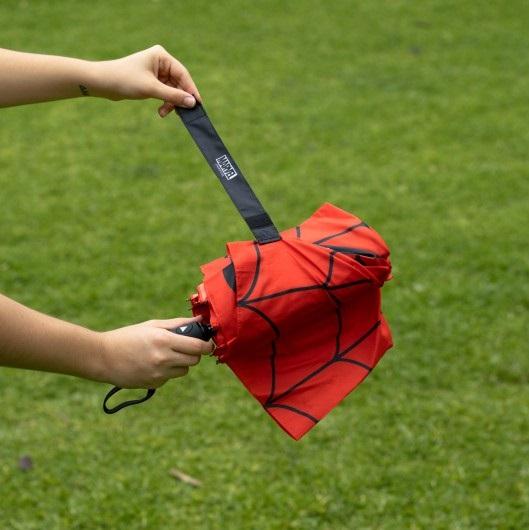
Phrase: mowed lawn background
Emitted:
{"points": [[412, 115]]}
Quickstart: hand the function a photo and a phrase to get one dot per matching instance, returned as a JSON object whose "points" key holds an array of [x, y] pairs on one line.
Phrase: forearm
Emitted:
{"points": [[32, 340], [32, 78], [151, 73]]}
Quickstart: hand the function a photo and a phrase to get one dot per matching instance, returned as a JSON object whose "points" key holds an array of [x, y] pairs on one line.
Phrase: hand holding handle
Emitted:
{"points": [[194, 329]]}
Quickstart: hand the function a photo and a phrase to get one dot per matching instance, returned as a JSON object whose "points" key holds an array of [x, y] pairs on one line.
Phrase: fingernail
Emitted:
{"points": [[189, 101], [163, 112]]}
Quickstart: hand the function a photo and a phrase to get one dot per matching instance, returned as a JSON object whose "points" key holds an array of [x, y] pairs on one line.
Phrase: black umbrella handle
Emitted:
{"points": [[194, 329]]}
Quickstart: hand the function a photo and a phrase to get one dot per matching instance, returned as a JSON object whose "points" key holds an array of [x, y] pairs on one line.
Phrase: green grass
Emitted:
{"points": [[413, 115]]}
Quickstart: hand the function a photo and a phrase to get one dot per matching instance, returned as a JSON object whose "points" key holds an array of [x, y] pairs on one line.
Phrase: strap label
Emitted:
{"points": [[226, 167]]}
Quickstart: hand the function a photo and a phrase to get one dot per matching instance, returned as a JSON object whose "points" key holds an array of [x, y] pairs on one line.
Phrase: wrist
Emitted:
{"points": [[95, 79], [105, 81], [96, 365]]}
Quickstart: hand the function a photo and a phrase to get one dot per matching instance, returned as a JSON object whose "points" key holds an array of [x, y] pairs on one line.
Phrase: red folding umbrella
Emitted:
{"points": [[296, 314]]}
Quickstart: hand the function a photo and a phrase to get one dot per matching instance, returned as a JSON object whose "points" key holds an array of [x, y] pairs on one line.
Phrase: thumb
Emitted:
{"points": [[171, 323], [176, 96]]}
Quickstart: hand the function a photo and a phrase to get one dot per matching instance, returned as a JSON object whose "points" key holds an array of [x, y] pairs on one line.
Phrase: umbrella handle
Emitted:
{"points": [[195, 329]]}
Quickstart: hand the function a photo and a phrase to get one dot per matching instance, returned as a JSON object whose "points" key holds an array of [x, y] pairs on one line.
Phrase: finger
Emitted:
{"points": [[177, 371], [190, 345], [165, 109], [179, 359], [171, 323], [180, 76], [157, 383], [173, 95]]}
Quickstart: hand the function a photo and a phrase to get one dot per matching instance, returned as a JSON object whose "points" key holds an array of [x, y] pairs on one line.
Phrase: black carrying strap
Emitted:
{"points": [[218, 157], [115, 390]]}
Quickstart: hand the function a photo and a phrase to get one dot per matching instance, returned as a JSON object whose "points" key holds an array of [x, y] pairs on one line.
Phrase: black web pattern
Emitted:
{"points": [[340, 351]]}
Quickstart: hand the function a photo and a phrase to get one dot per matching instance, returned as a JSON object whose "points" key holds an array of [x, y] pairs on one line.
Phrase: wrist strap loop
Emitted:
{"points": [[228, 172]]}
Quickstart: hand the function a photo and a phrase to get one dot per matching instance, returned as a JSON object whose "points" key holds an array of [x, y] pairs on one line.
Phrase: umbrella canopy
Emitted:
{"points": [[297, 314]]}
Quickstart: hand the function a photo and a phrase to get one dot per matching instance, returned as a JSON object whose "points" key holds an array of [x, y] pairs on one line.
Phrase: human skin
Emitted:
{"points": [[144, 355], [152, 73]]}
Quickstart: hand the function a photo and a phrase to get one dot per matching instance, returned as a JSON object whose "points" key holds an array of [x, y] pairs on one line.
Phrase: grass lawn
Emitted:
{"points": [[412, 115]]}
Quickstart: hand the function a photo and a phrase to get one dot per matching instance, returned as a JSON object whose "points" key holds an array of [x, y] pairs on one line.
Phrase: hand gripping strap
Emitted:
{"points": [[228, 172]]}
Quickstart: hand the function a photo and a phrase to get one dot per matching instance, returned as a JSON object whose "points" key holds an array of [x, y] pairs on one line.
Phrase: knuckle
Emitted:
{"points": [[158, 359], [159, 375], [159, 339]]}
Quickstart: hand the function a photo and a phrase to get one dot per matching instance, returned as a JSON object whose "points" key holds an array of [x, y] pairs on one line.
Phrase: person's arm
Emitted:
{"points": [[152, 73], [143, 355], [140, 356]]}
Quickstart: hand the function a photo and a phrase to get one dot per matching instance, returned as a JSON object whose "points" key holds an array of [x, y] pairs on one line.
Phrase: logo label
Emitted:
{"points": [[226, 167]]}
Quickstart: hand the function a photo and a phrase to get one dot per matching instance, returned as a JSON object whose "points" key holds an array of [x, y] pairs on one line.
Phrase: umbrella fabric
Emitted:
{"points": [[297, 314]]}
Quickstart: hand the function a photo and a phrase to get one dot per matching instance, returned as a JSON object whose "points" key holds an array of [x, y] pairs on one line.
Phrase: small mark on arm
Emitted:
{"points": [[84, 90]]}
